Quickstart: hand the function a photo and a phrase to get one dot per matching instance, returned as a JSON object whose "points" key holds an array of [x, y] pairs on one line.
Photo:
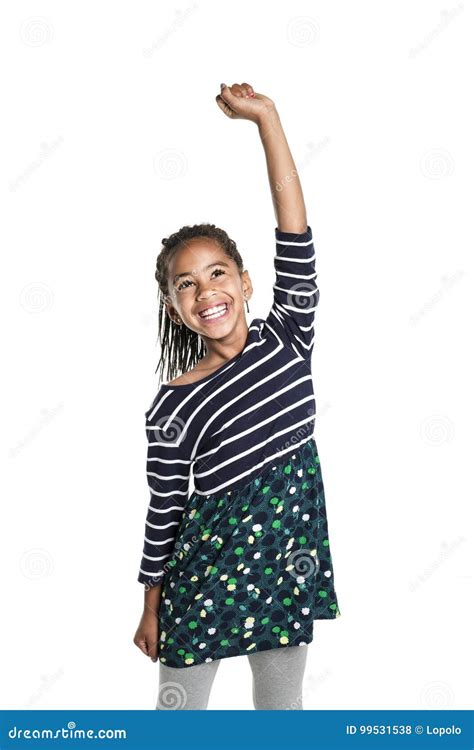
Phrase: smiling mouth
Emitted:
{"points": [[215, 313]]}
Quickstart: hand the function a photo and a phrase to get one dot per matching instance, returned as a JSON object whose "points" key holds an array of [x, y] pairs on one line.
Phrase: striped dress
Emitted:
{"points": [[244, 558]]}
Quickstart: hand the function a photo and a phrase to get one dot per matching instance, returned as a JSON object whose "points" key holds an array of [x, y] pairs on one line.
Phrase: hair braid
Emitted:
{"points": [[181, 347]]}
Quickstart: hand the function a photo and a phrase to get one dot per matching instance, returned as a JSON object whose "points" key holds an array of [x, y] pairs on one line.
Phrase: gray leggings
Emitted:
{"points": [[277, 681]]}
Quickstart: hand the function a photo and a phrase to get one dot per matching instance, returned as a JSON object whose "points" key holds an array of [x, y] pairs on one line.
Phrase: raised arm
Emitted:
{"points": [[240, 102]]}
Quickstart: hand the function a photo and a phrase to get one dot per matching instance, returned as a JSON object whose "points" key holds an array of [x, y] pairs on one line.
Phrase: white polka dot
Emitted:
{"points": [[296, 508], [296, 625], [178, 619], [211, 631], [327, 573], [202, 645], [257, 527], [268, 601], [208, 602], [305, 610], [256, 556], [246, 570], [208, 659], [300, 579], [250, 587], [292, 490], [305, 516]]}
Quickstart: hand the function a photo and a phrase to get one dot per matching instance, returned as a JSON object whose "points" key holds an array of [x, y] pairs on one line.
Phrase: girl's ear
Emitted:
{"points": [[172, 312], [247, 288]]}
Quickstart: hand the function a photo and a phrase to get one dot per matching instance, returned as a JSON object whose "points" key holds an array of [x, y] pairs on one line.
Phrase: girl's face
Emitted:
{"points": [[202, 276]]}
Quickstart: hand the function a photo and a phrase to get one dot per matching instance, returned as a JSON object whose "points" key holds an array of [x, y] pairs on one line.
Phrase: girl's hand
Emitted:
{"points": [[147, 635], [240, 102]]}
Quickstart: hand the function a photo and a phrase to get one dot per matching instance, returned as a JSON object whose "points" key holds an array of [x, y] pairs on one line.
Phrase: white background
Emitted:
{"points": [[112, 139]]}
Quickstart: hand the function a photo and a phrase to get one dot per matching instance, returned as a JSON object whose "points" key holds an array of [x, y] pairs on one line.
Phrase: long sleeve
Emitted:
{"points": [[168, 474], [295, 292]]}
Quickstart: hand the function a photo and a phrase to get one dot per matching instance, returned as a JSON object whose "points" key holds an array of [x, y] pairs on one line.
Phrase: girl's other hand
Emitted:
{"points": [[240, 102], [147, 635]]}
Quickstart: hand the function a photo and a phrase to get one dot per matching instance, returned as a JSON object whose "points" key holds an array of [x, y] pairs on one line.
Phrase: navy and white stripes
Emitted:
{"points": [[253, 410]]}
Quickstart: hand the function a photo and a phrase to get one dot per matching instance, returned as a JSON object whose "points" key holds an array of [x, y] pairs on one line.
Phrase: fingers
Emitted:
{"points": [[249, 90], [141, 643], [153, 649], [224, 106], [238, 90]]}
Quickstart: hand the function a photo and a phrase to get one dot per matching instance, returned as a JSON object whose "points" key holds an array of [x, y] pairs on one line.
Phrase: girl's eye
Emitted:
{"points": [[183, 284]]}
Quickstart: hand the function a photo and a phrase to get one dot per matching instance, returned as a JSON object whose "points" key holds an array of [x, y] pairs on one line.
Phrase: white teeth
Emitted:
{"points": [[214, 312]]}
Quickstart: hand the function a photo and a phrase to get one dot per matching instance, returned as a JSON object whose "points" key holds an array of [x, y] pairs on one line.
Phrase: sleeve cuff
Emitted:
{"points": [[294, 236]]}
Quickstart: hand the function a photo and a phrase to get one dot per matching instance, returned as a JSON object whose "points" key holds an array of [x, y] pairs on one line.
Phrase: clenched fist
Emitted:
{"points": [[240, 102]]}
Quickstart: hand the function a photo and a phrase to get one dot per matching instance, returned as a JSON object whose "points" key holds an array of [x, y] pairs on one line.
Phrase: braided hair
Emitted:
{"points": [[181, 347]]}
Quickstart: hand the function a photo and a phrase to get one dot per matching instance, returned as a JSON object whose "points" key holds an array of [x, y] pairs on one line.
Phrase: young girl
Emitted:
{"points": [[243, 565]]}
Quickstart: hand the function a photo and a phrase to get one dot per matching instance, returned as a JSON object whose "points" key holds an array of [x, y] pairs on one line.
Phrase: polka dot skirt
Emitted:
{"points": [[251, 568]]}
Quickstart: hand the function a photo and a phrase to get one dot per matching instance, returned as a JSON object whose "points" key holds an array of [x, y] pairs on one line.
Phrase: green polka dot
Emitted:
{"points": [[302, 540], [287, 469], [326, 543], [189, 656], [181, 651], [182, 589], [234, 630], [311, 470], [264, 620], [322, 593], [229, 600], [170, 640], [245, 507], [213, 569], [193, 624], [265, 489], [232, 580], [275, 500], [239, 550], [267, 571], [287, 601], [225, 642], [284, 633], [333, 606], [232, 521], [276, 629], [276, 524]]}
